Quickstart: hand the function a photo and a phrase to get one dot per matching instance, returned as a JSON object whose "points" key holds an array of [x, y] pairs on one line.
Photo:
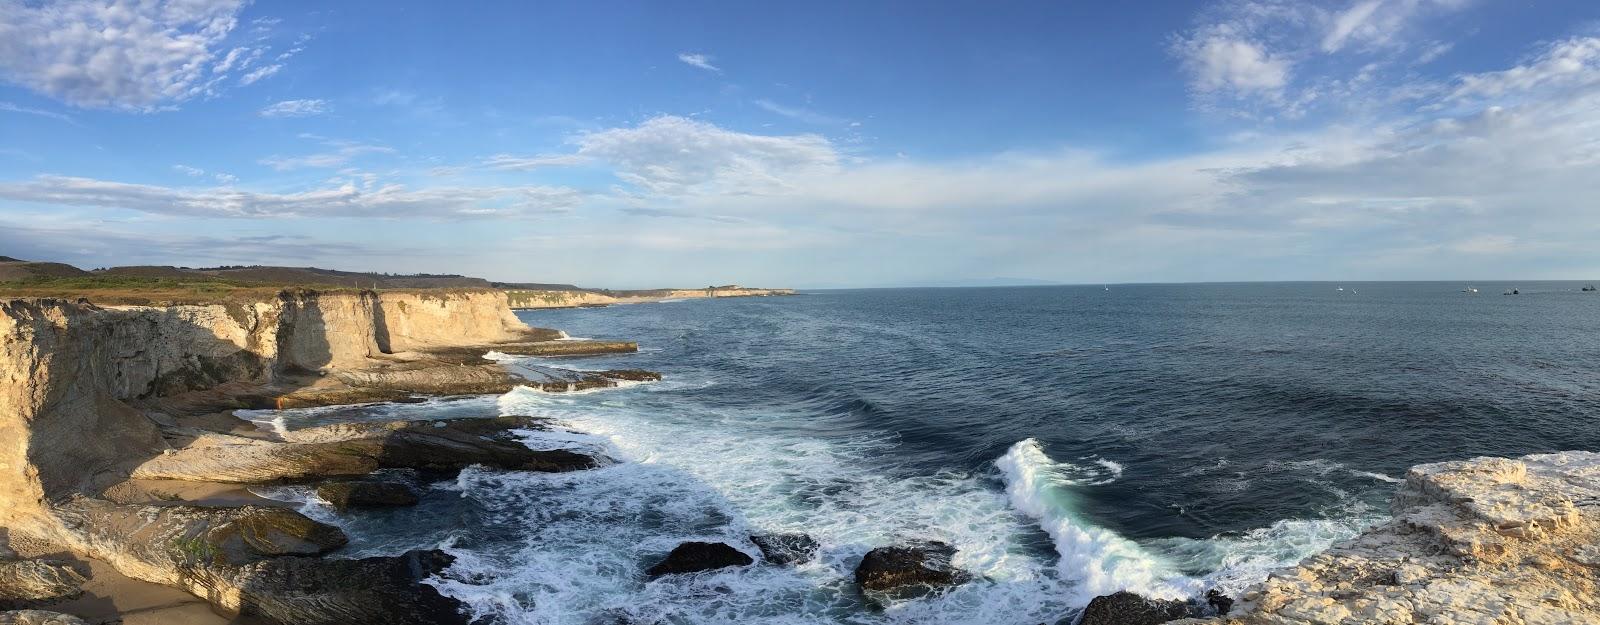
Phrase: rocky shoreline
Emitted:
{"points": [[123, 451], [124, 460]]}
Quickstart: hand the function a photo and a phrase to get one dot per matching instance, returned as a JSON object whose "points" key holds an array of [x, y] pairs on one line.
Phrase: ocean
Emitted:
{"points": [[1069, 441]]}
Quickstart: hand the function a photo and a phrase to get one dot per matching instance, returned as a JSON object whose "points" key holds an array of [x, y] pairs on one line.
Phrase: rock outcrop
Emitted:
{"points": [[693, 557], [1126, 608], [367, 494], [29, 582], [926, 565], [1482, 541], [359, 448], [38, 617], [258, 561]]}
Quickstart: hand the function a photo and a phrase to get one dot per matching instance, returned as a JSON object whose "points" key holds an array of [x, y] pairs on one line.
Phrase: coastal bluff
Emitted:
{"points": [[1485, 541], [99, 403], [529, 298]]}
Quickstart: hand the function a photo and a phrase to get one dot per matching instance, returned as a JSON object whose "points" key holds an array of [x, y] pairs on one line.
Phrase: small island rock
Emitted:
{"points": [[693, 557]]}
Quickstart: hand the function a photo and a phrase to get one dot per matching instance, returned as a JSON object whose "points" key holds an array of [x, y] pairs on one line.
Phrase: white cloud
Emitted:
{"points": [[343, 152], [702, 61], [223, 178], [1286, 57], [259, 73], [1345, 24], [1221, 63], [528, 163], [348, 200], [11, 107], [117, 54], [295, 108], [96, 244], [1564, 64], [800, 114], [677, 156], [189, 171]]}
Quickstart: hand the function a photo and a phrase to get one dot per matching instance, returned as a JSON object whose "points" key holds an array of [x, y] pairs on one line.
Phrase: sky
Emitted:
{"points": [[814, 144]]}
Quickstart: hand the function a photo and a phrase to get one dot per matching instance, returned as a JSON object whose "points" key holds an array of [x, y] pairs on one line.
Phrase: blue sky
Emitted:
{"points": [[809, 144]]}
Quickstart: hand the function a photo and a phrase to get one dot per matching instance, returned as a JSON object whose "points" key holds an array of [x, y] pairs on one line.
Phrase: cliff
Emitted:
{"points": [[1484, 541], [92, 396], [72, 371]]}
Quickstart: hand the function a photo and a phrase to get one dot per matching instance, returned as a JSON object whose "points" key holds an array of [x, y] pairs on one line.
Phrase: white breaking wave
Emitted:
{"points": [[1098, 559], [703, 474]]}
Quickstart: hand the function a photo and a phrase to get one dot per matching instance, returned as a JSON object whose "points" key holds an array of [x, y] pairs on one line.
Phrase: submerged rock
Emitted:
{"points": [[28, 582], [1126, 608], [346, 495], [38, 617], [693, 557], [632, 375], [925, 564], [786, 548]]}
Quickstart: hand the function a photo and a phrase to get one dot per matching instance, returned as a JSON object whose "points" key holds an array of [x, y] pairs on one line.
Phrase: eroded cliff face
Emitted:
{"points": [[68, 369], [412, 321], [63, 365]]}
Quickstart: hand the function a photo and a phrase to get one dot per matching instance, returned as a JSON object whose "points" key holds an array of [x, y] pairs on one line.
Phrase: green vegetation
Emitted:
{"points": [[195, 549]]}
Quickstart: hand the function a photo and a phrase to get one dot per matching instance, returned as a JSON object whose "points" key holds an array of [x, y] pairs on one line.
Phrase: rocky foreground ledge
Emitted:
{"points": [[1487, 541], [120, 453]]}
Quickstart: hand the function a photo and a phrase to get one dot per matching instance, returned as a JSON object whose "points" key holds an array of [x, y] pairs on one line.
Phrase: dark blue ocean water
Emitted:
{"points": [[1069, 440]]}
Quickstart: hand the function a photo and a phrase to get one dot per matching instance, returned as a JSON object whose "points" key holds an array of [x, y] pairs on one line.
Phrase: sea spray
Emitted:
{"points": [[1098, 559]]}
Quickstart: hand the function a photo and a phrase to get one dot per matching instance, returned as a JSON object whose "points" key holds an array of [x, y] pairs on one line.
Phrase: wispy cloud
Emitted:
{"points": [[348, 200], [295, 108], [675, 156], [800, 114], [11, 107], [341, 154], [260, 73], [527, 163], [189, 171], [702, 61]]}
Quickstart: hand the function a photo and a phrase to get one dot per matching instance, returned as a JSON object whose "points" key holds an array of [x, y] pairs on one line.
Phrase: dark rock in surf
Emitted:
{"points": [[785, 549], [316, 591], [1219, 602], [693, 557], [924, 564], [347, 495], [1126, 608]]}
